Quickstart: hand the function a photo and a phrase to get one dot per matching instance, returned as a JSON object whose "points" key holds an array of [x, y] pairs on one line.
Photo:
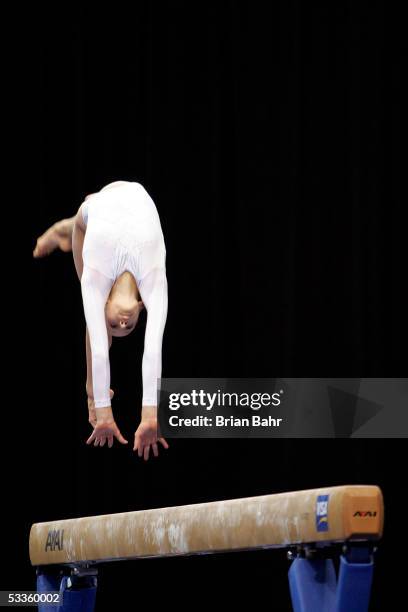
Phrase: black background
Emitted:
{"points": [[273, 141]]}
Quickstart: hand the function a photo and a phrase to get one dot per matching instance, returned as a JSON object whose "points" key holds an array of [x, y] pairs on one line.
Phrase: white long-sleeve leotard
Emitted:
{"points": [[123, 233]]}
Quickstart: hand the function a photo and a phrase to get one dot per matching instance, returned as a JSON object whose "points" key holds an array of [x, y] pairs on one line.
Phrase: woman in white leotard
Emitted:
{"points": [[119, 255]]}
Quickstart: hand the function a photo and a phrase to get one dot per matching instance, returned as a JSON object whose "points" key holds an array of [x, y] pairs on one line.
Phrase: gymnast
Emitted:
{"points": [[119, 255]]}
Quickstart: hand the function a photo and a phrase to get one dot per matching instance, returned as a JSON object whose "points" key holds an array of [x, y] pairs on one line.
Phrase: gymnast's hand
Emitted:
{"points": [[58, 235], [147, 434], [92, 410], [105, 429]]}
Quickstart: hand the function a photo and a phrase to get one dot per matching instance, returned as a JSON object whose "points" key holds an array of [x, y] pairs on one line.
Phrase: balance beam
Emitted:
{"points": [[325, 515]]}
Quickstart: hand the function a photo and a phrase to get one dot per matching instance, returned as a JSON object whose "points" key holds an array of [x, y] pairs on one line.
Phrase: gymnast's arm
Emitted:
{"points": [[153, 290], [95, 289], [78, 236]]}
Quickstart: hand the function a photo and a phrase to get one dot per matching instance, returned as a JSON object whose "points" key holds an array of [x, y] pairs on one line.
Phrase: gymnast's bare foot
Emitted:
{"points": [[58, 236]]}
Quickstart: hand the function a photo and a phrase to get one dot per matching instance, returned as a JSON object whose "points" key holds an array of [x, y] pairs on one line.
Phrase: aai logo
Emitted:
{"points": [[55, 540], [322, 508]]}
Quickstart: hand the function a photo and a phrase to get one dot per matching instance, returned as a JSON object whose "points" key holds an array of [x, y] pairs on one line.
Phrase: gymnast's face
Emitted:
{"points": [[121, 318]]}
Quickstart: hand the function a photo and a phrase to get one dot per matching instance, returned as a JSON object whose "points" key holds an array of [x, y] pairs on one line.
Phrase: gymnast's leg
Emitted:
{"points": [[59, 235]]}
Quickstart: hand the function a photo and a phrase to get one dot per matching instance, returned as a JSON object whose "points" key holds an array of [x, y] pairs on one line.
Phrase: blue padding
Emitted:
{"points": [[354, 586], [73, 600], [312, 585]]}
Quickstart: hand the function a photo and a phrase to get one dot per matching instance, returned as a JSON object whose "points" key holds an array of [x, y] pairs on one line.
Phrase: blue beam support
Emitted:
{"points": [[314, 586], [78, 594]]}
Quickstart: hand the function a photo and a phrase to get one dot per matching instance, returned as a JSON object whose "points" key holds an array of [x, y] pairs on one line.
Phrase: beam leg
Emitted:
{"points": [[354, 585], [312, 585], [78, 591]]}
